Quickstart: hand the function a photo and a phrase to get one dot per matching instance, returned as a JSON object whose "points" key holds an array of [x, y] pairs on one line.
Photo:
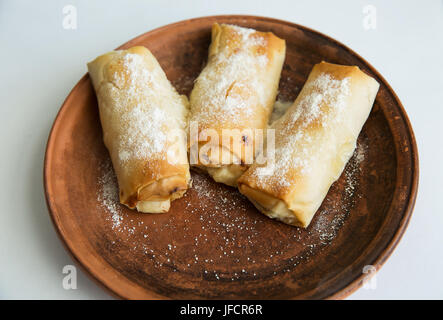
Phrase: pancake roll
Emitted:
{"points": [[144, 122], [232, 100], [314, 140]]}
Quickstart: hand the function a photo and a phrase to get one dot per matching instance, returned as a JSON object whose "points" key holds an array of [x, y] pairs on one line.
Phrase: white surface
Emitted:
{"points": [[41, 62]]}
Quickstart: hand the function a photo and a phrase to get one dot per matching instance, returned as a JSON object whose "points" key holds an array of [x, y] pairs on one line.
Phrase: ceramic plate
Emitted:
{"points": [[213, 243]]}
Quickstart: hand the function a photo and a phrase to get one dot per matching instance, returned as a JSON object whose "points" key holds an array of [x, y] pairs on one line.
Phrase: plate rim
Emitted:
{"points": [[344, 290]]}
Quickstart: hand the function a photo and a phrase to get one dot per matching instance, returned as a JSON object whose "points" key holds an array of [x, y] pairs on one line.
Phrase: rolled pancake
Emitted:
{"points": [[314, 140], [233, 97], [144, 123]]}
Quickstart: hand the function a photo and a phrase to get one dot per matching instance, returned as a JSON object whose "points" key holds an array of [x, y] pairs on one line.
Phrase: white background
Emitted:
{"points": [[41, 62]]}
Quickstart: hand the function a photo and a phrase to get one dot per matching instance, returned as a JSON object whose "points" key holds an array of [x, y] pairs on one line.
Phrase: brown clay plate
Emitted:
{"points": [[213, 243]]}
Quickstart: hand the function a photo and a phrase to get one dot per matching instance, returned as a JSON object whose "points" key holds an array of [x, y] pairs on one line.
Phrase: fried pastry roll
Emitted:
{"points": [[232, 99], [314, 140], [144, 123]]}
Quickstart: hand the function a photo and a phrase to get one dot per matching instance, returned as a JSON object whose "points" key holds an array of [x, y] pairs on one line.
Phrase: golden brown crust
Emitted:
{"points": [[143, 120], [314, 140], [272, 207], [236, 90]]}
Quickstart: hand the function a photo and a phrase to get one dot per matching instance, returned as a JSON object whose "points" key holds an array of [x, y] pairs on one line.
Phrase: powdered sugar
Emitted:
{"points": [[244, 32], [230, 87], [323, 105], [107, 193], [324, 90], [144, 136], [138, 92], [219, 228], [221, 219], [354, 168], [327, 228]]}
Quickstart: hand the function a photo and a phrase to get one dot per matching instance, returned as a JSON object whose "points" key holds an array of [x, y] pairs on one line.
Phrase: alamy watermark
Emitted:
{"points": [[69, 281], [218, 147], [69, 21], [369, 17], [370, 279]]}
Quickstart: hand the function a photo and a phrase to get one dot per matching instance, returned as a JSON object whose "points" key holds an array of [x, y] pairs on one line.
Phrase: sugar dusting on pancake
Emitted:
{"points": [[222, 216], [230, 86], [135, 87], [323, 105]]}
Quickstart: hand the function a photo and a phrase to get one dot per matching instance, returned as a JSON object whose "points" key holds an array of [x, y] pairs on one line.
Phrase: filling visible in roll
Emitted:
{"points": [[232, 98]]}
